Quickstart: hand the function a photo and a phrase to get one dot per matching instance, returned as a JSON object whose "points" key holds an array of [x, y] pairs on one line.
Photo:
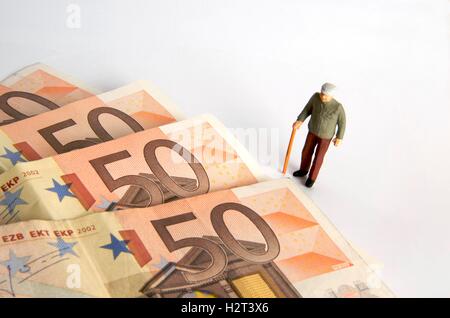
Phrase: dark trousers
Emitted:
{"points": [[320, 146]]}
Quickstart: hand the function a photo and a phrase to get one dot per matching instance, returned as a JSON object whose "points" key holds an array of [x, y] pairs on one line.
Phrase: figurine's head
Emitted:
{"points": [[326, 92]]}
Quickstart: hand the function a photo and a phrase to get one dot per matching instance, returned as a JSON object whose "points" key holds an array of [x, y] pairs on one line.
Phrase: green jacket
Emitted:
{"points": [[324, 117]]}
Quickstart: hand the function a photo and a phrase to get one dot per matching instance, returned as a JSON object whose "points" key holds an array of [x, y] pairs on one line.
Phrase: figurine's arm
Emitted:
{"points": [[307, 110], [341, 128]]}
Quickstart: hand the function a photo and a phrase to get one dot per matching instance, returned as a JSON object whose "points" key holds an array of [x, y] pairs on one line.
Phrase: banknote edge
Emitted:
{"points": [[331, 227], [12, 78], [153, 91], [292, 186], [252, 164]]}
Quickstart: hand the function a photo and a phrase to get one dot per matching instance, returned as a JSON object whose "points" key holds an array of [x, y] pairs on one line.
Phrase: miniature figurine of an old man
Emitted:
{"points": [[326, 114]]}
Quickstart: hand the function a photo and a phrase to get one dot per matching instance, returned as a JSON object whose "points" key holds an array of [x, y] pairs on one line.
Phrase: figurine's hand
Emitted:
{"points": [[297, 124], [337, 142]]}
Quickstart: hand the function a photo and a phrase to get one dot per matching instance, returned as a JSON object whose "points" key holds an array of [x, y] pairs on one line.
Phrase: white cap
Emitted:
{"points": [[328, 89]]}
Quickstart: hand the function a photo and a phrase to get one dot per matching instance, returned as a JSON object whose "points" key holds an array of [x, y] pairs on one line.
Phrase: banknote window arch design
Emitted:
{"points": [[170, 282]]}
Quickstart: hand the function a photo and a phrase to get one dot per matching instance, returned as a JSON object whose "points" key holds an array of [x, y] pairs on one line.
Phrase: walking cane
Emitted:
{"points": [[288, 152]]}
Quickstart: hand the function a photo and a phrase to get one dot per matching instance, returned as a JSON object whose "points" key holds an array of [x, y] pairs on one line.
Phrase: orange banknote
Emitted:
{"points": [[84, 123], [150, 167], [263, 240], [37, 89]]}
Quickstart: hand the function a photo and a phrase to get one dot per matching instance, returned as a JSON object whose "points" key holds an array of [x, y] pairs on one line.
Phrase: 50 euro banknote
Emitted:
{"points": [[36, 89], [154, 166], [263, 240], [129, 109]]}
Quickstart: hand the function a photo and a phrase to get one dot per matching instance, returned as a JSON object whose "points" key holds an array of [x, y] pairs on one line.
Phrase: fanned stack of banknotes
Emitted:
{"points": [[118, 195]]}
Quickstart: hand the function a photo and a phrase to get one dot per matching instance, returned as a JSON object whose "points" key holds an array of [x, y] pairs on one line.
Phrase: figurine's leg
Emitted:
{"points": [[307, 152], [321, 150]]}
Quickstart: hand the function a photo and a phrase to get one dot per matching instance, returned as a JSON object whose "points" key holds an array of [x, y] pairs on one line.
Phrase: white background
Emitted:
{"points": [[255, 64]]}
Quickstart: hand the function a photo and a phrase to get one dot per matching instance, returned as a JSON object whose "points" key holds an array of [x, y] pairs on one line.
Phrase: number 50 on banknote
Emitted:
{"points": [[87, 122], [262, 240], [150, 167]]}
